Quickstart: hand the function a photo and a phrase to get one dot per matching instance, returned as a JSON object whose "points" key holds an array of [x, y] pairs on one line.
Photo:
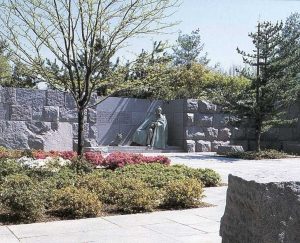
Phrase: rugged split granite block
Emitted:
{"points": [[261, 212]]}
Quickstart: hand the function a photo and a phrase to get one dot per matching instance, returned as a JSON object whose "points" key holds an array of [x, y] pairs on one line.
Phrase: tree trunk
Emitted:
{"points": [[80, 131], [258, 135]]}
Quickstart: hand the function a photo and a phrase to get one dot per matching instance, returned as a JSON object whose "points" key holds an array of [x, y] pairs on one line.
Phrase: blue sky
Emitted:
{"points": [[224, 25]]}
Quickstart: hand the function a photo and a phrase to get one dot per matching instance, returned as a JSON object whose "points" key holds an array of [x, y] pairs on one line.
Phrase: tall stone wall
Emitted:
{"points": [[41, 120], [48, 120], [261, 212], [205, 126], [285, 137], [124, 115]]}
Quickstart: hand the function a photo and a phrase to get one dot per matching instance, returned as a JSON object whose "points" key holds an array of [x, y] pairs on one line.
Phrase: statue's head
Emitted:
{"points": [[158, 110]]}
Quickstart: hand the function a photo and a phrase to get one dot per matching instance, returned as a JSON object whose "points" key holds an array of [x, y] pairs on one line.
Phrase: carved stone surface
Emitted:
{"points": [[190, 146], [192, 105], [66, 115], [60, 139], [238, 133], [14, 134], [190, 119], [4, 112], [225, 149], [55, 98], [211, 133], [221, 120], [216, 144], [203, 146], [194, 132], [224, 134], [35, 142], [206, 107], [8, 95], [70, 103], [38, 127], [91, 116], [51, 113], [261, 212], [21, 113], [204, 120]]}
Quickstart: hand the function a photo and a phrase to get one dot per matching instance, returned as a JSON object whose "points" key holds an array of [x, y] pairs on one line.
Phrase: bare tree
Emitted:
{"points": [[79, 37]]}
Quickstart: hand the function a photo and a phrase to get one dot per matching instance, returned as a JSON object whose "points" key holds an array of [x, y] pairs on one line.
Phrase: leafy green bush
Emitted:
{"points": [[81, 166], [23, 197], [158, 175], [9, 167], [184, 193], [133, 195], [208, 177], [97, 184], [254, 155], [72, 202]]}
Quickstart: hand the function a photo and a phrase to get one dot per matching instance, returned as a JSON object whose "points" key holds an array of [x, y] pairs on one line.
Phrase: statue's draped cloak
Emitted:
{"points": [[160, 134]]}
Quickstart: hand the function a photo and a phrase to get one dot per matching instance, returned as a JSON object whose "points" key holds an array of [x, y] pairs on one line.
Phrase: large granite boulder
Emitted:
{"points": [[261, 212]]}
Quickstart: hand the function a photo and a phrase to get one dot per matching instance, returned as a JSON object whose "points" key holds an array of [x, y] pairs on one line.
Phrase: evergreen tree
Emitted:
{"points": [[266, 98], [188, 49]]}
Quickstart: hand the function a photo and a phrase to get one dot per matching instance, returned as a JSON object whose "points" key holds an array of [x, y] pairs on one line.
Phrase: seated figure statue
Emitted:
{"points": [[153, 132]]}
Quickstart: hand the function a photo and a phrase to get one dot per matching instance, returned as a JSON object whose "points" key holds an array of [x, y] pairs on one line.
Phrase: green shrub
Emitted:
{"points": [[9, 167], [208, 177], [183, 194], [133, 195], [23, 197], [97, 184], [72, 202], [81, 166], [63, 178], [254, 155], [158, 175]]}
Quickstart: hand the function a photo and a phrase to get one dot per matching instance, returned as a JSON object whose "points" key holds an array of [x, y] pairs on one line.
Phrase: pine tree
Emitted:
{"points": [[266, 98]]}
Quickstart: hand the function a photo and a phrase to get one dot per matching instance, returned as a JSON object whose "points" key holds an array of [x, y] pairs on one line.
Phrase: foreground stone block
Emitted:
{"points": [[225, 149], [203, 146], [261, 212]]}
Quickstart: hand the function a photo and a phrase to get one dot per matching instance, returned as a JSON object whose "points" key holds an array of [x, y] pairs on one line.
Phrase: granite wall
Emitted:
{"points": [[48, 120], [205, 126], [41, 119], [261, 212]]}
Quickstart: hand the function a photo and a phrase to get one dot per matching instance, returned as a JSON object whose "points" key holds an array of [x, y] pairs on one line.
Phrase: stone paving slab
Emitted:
{"points": [[199, 225]]}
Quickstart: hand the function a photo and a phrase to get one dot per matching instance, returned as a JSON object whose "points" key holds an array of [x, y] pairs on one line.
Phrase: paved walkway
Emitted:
{"points": [[193, 225]]}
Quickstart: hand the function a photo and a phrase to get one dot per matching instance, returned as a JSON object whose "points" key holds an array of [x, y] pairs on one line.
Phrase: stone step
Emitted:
{"points": [[134, 149]]}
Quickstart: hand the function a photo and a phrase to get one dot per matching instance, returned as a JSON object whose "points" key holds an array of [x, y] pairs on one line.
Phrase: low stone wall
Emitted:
{"points": [[261, 212]]}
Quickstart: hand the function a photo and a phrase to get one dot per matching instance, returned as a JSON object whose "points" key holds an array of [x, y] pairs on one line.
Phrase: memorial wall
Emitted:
{"points": [[36, 119]]}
